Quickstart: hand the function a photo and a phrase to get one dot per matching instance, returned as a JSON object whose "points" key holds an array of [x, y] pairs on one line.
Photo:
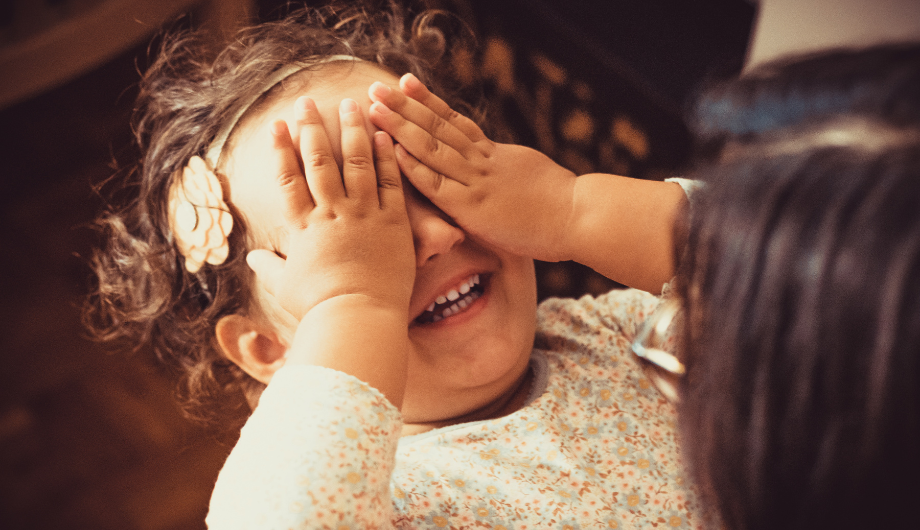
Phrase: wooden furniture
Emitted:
{"points": [[45, 43]]}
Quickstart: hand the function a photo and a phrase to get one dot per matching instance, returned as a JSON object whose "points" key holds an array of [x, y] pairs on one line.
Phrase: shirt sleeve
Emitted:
{"points": [[625, 310], [594, 321], [689, 186], [318, 452]]}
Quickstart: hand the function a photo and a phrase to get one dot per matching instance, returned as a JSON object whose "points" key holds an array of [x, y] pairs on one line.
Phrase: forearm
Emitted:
{"points": [[624, 228], [360, 337], [318, 452]]}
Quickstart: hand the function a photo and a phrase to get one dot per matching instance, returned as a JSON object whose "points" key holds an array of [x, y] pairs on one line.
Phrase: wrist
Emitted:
{"points": [[352, 303], [624, 228], [571, 212], [358, 335]]}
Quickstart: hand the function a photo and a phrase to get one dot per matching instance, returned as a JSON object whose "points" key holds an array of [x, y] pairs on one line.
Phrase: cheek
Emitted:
{"points": [[524, 281], [520, 287]]}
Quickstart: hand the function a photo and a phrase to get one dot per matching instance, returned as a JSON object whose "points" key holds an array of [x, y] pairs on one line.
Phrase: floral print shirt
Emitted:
{"points": [[595, 448]]}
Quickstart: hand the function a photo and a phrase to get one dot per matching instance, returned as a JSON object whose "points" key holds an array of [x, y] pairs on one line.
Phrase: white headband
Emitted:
{"points": [[198, 215], [217, 146]]}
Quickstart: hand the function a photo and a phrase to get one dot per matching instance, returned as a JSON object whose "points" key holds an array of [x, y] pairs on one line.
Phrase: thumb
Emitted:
{"points": [[268, 267]]}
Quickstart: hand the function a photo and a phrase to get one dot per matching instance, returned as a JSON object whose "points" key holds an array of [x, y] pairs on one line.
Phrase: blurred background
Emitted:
{"points": [[90, 438]]}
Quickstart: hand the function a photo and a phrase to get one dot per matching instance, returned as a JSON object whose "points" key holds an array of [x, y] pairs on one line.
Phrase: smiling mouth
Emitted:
{"points": [[453, 301]]}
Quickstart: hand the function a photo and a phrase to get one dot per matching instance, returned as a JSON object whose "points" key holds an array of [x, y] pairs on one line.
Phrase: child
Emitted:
{"points": [[409, 379]]}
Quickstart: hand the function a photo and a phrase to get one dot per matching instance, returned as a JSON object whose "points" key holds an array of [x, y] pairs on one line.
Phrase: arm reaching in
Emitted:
{"points": [[519, 199]]}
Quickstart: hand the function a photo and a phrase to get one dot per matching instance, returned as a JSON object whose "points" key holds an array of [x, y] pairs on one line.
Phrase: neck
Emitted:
{"points": [[507, 403]]}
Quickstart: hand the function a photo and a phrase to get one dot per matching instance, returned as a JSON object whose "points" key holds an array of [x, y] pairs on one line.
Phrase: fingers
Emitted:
{"points": [[426, 118], [389, 179], [321, 170], [296, 201], [268, 267], [357, 156], [444, 192], [425, 134], [427, 148], [414, 88]]}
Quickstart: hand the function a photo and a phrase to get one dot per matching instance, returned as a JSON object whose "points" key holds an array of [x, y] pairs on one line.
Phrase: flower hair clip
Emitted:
{"points": [[199, 217]]}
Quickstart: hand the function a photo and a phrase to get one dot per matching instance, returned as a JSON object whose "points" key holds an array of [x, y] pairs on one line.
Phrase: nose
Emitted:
{"points": [[433, 232]]}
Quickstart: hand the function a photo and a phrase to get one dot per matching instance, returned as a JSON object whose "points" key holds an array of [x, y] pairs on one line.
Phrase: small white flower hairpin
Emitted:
{"points": [[199, 217]]}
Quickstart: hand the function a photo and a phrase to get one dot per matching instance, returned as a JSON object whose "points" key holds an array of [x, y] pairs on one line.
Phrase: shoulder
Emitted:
{"points": [[620, 310], [591, 337]]}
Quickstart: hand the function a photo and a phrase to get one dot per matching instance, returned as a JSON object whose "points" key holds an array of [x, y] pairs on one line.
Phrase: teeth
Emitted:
{"points": [[463, 295]]}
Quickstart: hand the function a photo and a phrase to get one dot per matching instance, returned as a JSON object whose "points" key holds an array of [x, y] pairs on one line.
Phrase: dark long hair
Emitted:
{"points": [[801, 282], [881, 82], [144, 295]]}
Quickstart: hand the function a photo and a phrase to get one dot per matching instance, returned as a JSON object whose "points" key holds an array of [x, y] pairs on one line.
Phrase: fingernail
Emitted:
{"points": [[380, 90], [381, 139], [278, 127], [411, 81], [380, 108], [348, 106], [302, 106]]}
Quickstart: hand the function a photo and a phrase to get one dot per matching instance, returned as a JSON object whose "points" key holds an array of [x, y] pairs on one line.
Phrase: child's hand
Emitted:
{"points": [[348, 232], [520, 200], [350, 264], [508, 195]]}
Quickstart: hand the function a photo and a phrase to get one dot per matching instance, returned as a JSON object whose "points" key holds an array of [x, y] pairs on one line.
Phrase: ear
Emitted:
{"points": [[251, 346]]}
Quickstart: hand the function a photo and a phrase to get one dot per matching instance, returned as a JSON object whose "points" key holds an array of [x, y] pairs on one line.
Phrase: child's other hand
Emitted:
{"points": [[508, 195], [347, 232]]}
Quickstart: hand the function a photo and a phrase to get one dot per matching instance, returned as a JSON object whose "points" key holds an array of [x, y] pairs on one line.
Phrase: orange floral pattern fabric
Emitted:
{"points": [[596, 449]]}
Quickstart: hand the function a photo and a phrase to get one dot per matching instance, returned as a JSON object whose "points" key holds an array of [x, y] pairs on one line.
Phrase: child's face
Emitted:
{"points": [[462, 361]]}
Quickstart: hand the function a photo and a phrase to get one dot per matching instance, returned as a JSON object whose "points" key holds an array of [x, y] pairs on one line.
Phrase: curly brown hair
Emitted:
{"points": [[144, 294]]}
